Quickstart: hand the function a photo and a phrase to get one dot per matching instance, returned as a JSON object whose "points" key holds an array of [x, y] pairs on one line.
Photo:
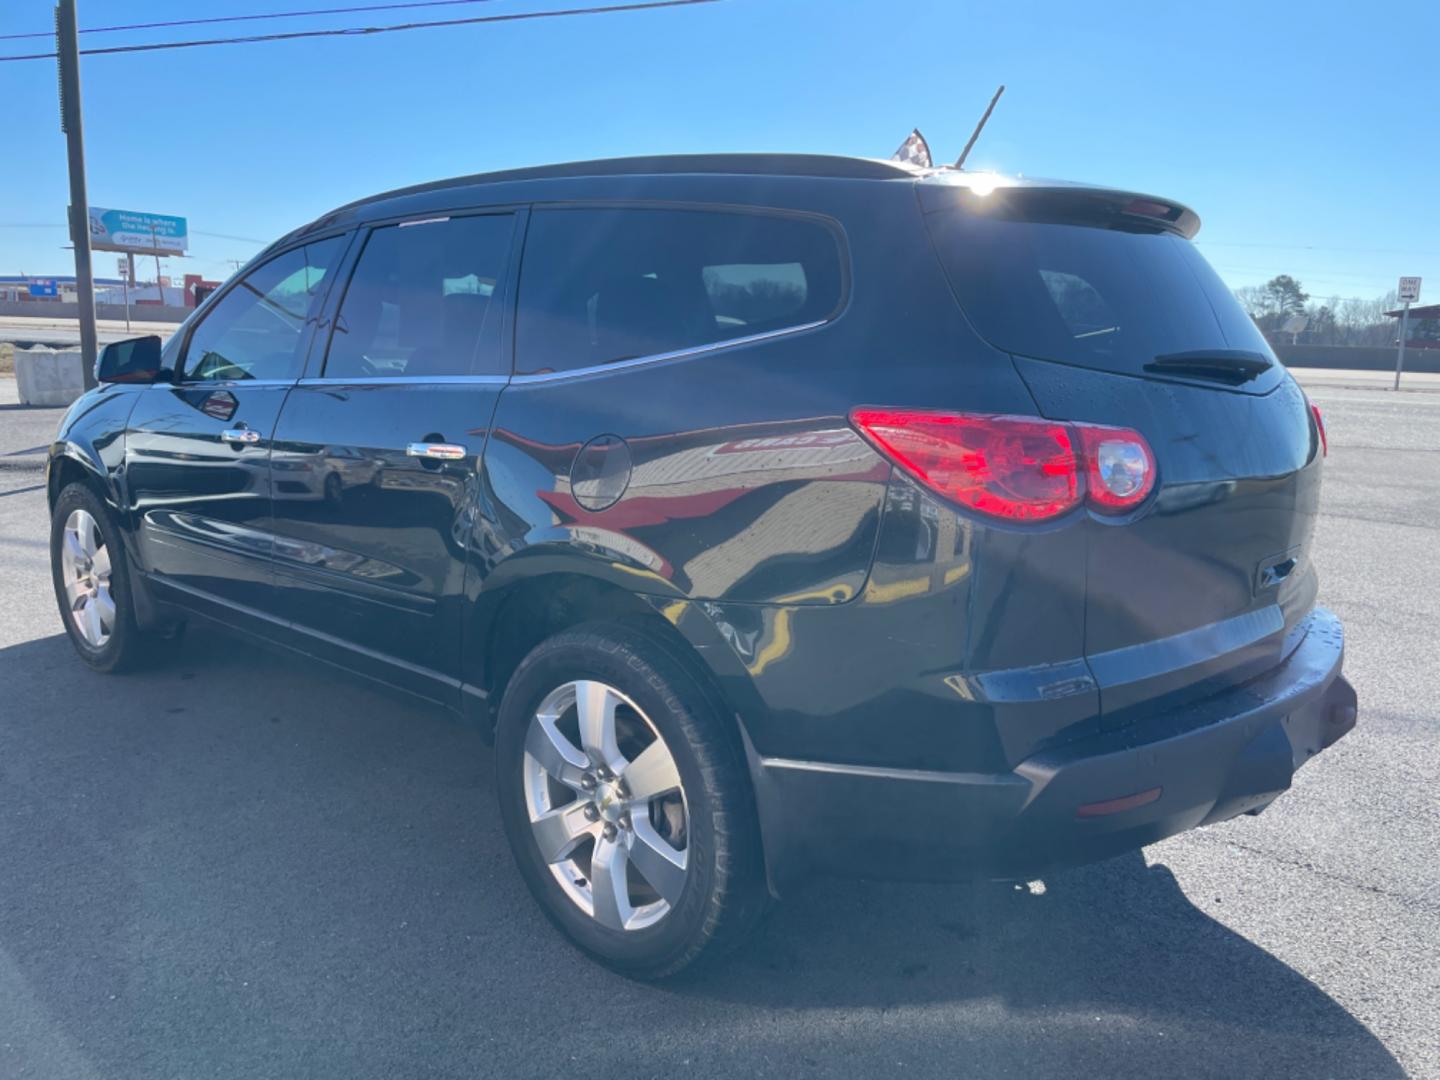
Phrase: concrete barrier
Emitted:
{"points": [[49, 376], [1353, 358], [46, 309]]}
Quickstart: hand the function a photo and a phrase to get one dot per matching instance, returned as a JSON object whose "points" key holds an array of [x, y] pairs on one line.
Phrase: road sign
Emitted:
{"points": [[43, 288], [142, 234], [122, 264], [1409, 293]]}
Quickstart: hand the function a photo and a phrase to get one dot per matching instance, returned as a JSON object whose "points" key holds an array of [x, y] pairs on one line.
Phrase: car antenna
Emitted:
{"points": [[960, 161]]}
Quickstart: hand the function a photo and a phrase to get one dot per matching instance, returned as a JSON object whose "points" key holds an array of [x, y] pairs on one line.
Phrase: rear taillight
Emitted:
{"points": [[1009, 466], [1320, 427], [1119, 467], [1015, 467]]}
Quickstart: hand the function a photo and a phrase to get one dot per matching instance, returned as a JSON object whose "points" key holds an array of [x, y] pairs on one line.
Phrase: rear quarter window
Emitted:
{"points": [[599, 286]]}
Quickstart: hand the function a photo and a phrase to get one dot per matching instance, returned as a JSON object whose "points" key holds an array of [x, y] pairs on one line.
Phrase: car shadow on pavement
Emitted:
{"points": [[1111, 961], [242, 864]]}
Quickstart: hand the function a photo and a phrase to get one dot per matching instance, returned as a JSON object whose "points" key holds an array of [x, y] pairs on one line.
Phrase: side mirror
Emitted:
{"points": [[136, 360]]}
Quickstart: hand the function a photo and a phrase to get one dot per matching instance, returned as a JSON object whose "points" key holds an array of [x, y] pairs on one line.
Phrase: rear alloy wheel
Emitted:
{"points": [[627, 802], [606, 805]]}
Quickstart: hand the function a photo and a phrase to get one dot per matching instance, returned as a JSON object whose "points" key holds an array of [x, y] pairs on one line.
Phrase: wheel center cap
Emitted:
{"points": [[609, 801]]}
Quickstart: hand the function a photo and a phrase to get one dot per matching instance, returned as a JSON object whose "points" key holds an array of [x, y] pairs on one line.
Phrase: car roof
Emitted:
{"points": [[693, 166], [755, 165]]}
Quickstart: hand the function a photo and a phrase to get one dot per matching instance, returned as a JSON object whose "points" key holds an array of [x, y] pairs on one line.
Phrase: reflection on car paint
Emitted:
{"points": [[813, 489]]}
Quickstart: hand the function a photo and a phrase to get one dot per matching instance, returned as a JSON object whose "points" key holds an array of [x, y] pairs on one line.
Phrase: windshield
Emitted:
{"points": [[1099, 297]]}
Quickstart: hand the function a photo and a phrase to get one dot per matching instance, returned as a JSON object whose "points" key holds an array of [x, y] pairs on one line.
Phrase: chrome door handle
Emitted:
{"points": [[434, 450], [240, 435]]}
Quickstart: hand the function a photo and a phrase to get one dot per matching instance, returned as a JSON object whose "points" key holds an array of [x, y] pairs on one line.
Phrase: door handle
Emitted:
{"points": [[1275, 573], [435, 451], [240, 435]]}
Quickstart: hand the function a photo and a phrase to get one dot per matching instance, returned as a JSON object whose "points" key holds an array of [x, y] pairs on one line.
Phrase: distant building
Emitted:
{"points": [[41, 288], [58, 288], [1424, 328]]}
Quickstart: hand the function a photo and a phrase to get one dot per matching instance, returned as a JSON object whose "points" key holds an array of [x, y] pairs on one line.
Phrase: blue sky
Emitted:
{"points": [[1299, 132]]}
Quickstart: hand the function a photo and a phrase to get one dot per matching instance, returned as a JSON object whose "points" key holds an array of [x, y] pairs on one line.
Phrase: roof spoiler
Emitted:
{"points": [[1065, 204]]}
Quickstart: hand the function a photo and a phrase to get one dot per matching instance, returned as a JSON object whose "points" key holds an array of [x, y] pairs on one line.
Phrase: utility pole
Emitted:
{"points": [[67, 49]]}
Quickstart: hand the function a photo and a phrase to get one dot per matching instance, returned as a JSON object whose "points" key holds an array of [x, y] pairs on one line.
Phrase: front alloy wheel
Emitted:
{"points": [[85, 570], [606, 805], [90, 572]]}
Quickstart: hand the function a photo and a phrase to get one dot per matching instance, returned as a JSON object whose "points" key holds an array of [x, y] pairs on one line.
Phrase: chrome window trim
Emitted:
{"points": [[220, 384], [408, 380], [677, 354]]}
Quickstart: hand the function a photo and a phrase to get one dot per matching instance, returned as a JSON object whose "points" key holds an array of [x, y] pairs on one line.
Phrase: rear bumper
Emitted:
{"points": [[1229, 754]]}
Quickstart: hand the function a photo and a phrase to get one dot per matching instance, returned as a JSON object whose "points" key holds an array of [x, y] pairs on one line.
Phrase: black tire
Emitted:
{"points": [[724, 893], [128, 647]]}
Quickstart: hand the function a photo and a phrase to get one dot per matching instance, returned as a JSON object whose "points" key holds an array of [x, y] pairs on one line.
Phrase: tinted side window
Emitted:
{"points": [[424, 300], [597, 286], [257, 329]]}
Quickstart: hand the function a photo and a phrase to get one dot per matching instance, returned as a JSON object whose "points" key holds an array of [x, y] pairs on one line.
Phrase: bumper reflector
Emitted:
{"points": [[1117, 806]]}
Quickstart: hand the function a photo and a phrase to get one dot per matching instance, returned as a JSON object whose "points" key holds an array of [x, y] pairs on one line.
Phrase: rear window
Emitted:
{"points": [[602, 285], [1098, 297]]}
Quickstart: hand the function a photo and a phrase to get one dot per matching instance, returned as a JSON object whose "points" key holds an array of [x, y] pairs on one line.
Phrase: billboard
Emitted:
{"points": [[142, 234]]}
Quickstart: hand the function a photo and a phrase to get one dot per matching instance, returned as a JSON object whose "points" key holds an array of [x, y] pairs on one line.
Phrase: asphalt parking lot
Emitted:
{"points": [[239, 866]]}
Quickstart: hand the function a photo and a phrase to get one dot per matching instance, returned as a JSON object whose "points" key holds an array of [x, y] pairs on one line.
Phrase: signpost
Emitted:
{"points": [[123, 267], [1409, 294]]}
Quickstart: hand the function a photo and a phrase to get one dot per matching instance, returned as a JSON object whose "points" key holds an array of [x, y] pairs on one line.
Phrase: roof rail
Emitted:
{"points": [[818, 165]]}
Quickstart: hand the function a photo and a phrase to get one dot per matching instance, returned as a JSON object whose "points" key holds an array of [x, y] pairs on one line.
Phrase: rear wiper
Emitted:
{"points": [[1232, 366]]}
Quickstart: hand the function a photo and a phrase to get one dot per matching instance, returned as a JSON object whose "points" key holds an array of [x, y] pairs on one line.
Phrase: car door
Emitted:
{"points": [[197, 450], [377, 449]]}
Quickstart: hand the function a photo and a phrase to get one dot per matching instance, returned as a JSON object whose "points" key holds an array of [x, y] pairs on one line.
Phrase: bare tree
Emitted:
{"points": [[1253, 299], [1347, 320]]}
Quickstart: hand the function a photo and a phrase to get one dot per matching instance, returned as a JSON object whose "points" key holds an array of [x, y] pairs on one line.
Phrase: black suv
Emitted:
{"points": [[778, 515]]}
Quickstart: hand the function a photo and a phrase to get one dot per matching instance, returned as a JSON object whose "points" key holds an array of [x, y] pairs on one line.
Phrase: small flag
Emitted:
{"points": [[914, 151]]}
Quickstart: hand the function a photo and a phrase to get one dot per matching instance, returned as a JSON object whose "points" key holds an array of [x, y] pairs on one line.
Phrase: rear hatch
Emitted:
{"points": [[1113, 317]]}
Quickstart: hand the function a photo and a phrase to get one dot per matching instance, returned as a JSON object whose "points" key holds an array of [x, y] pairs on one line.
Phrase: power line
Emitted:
{"points": [[227, 236], [1315, 247], [248, 18], [196, 232], [1301, 271], [359, 31]]}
